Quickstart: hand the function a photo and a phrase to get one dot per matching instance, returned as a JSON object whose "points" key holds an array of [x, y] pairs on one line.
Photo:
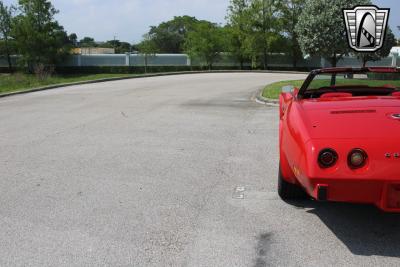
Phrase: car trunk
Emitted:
{"points": [[352, 118]]}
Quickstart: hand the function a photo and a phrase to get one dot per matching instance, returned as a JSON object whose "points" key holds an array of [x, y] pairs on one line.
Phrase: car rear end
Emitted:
{"points": [[362, 171], [342, 137]]}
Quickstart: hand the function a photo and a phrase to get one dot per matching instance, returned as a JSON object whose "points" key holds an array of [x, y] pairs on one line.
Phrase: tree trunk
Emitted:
{"points": [[9, 62], [8, 57], [333, 80], [294, 34], [334, 61], [294, 62], [364, 62], [294, 54], [145, 63], [265, 58]]}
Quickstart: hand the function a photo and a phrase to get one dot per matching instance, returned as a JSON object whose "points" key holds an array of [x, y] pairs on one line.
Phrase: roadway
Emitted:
{"points": [[166, 171]]}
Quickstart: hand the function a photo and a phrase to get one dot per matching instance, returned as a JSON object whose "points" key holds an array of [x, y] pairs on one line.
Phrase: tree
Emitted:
{"points": [[321, 30], [238, 24], [169, 36], [73, 39], [291, 11], [6, 16], [264, 28], [87, 42], [40, 40], [147, 48], [120, 47], [389, 42], [205, 42], [123, 47]]}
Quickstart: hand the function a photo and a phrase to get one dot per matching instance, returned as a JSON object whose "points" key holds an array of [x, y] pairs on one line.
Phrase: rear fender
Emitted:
{"points": [[286, 171], [291, 143], [284, 100]]}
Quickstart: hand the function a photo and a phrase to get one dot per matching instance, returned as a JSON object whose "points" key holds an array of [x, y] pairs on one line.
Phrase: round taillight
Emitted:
{"points": [[327, 158], [357, 158]]}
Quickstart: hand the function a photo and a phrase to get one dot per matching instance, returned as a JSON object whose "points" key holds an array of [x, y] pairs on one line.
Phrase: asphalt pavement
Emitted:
{"points": [[166, 171]]}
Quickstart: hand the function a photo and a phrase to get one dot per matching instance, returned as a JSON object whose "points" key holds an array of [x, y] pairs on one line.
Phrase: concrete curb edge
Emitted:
{"points": [[265, 101]]}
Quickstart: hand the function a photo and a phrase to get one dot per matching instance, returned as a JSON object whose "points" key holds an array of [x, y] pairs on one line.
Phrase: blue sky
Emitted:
{"points": [[128, 20]]}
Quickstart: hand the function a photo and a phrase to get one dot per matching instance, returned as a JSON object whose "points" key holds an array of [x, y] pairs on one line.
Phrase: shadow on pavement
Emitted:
{"points": [[364, 229], [263, 246]]}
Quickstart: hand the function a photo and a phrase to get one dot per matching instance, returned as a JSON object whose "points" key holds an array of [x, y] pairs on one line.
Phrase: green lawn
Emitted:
{"points": [[273, 90], [20, 82]]}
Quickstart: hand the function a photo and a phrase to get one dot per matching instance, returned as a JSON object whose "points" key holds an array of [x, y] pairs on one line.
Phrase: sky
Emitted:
{"points": [[128, 20]]}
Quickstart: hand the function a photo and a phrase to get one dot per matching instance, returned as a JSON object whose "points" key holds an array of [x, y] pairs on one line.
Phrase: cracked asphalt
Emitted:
{"points": [[166, 171]]}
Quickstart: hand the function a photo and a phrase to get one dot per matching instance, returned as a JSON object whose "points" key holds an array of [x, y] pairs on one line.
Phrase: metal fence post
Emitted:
{"points": [[394, 59], [79, 60], [322, 62], [188, 61], [127, 59]]}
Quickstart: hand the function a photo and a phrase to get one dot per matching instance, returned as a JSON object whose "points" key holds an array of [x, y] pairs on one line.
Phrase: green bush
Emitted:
{"points": [[384, 76], [151, 69], [155, 69]]}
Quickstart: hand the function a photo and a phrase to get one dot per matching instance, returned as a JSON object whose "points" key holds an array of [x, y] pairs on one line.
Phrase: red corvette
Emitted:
{"points": [[340, 137]]}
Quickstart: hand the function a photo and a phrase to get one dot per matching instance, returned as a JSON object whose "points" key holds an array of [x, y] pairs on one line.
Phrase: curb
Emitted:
{"points": [[266, 101], [44, 88]]}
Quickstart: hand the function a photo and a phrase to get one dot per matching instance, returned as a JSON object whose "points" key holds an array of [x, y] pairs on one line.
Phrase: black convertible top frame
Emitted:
{"points": [[314, 73]]}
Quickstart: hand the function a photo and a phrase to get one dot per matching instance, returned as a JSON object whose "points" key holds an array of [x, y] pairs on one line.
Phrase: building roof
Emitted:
{"points": [[395, 49]]}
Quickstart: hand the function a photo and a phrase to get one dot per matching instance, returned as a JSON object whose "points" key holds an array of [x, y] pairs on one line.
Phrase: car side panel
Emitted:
{"points": [[293, 138]]}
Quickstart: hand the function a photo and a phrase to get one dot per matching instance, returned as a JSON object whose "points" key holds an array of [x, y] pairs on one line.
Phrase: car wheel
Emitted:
{"points": [[288, 190]]}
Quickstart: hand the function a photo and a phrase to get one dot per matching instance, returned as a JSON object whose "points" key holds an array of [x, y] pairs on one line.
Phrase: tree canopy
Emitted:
{"points": [[205, 42], [40, 40], [6, 42], [169, 36], [255, 31], [120, 47], [87, 42], [264, 28], [238, 29], [318, 31], [147, 48], [389, 42], [290, 13]]}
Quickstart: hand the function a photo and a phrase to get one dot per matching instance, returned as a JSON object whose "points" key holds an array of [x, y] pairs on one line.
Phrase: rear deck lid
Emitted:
{"points": [[347, 118]]}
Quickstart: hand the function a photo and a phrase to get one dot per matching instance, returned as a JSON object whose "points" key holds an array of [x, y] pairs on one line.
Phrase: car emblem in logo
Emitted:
{"points": [[366, 27]]}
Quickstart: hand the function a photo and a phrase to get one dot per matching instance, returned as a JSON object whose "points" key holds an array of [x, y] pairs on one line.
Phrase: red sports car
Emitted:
{"points": [[340, 137]]}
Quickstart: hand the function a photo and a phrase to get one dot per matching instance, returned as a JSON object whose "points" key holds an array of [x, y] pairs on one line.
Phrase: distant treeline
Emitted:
{"points": [[254, 30]]}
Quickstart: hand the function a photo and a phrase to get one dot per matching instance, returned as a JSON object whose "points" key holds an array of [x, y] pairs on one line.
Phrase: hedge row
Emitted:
{"points": [[150, 69], [156, 69], [384, 76]]}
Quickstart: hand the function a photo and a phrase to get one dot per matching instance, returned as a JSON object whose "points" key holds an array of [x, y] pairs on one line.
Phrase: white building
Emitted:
{"points": [[395, 49]]}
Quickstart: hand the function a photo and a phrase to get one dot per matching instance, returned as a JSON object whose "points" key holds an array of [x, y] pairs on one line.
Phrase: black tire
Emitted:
{"points": [[288, 191]]}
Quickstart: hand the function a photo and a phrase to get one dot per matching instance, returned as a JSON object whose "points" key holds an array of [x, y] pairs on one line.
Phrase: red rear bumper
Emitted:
{"points": [[384, 194]]}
